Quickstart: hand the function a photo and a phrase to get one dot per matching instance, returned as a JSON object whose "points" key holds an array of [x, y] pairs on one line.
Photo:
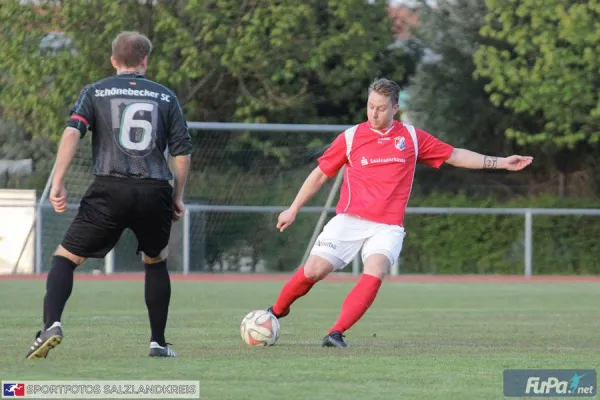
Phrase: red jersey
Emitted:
{"points": [[380, 168]]}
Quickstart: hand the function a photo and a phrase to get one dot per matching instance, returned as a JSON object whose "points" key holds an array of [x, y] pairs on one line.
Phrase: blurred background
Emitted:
{"points": [[498, 77]]}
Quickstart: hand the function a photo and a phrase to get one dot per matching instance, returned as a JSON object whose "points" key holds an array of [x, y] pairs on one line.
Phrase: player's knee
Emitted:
{"points": [[317, 268], [377, 265], [62, 252], [162, 256]]}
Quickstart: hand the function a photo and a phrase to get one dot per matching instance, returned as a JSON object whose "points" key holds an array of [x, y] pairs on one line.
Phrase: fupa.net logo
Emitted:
{"points": [[556, 386], [550, 382]]}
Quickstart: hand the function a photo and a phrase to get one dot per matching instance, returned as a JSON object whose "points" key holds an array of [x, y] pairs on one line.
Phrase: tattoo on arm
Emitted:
{"points": [[490, 162]]}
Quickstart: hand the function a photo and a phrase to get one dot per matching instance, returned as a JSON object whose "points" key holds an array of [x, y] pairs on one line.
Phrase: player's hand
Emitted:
{"points": [[517, 163], [286, 218], [58, 197], [178, 209]]}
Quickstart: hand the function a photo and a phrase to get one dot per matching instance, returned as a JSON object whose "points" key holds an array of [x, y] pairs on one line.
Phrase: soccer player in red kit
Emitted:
{"points": [[379, 156]]}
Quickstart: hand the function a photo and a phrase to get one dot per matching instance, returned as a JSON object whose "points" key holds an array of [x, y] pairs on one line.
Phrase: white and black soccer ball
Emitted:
{"points": [[260, 328]]}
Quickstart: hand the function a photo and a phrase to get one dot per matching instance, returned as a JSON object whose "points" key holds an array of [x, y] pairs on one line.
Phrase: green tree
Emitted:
{"points": [[444, 96], [550, 69], [252, 61], [227, 61], [446, 100], [230, 61]]}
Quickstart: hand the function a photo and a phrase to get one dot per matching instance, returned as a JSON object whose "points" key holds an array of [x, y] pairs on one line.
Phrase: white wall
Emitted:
{"points": [[15, 223]]}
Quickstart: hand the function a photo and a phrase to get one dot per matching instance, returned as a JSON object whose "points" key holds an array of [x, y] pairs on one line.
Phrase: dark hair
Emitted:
{"points": [[130, 48], [387, 88]]}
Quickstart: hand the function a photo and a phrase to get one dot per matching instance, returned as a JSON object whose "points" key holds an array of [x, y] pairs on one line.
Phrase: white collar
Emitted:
{"points": [[382, 133]]}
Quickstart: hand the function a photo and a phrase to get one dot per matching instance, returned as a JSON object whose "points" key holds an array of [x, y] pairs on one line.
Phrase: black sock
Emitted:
{"points": [[59, 286], [157, 293]]}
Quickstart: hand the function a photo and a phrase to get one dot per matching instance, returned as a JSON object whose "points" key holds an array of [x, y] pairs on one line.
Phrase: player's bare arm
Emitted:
{"points": [[180, 148], [310, 187], [66, 152], [182, 167], [463, 158]]}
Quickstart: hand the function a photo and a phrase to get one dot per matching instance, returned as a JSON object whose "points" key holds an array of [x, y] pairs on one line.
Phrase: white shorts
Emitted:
{"points": [[344, 236]]}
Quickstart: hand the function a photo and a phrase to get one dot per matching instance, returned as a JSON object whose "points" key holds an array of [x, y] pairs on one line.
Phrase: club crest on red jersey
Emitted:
{"points": [[400, 143]]}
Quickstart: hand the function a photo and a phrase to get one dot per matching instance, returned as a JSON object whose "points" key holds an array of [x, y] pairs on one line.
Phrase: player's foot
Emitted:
{"points": [[334, 339], [270, 309], [157, 350], [45, 341]]}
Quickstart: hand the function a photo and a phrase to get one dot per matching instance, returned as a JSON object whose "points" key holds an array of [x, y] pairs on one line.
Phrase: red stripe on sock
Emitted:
{"points": [[295, 288], [357, 302]]}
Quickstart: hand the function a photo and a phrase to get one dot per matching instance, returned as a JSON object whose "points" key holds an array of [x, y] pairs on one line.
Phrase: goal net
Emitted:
{"points": [[264, 170], [233, 168]]}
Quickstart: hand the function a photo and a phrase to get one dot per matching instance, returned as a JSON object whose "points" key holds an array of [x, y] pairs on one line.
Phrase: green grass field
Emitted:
{"points": [[418, 341]]}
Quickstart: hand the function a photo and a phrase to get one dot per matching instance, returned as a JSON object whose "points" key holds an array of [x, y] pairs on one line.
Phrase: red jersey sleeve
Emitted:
{"points": [[334, 158], [432, 151]]}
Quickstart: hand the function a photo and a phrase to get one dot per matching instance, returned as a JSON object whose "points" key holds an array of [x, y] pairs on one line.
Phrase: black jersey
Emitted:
{"points": [[134, 122]]}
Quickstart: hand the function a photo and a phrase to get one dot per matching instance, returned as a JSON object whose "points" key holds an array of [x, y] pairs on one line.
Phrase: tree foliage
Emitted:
{"points": [[252, 61], [550, 68], [449, 102], [227, 61], [445, 98]]}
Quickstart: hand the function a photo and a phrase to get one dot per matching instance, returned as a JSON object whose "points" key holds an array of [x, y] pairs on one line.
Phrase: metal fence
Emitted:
{"points": [[526, 213], [109, 262]]}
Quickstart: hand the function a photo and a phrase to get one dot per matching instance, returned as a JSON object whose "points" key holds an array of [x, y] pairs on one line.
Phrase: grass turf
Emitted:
{"points": [[419, 340]]}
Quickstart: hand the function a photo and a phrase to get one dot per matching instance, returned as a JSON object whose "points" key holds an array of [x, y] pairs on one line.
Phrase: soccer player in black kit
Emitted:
{"points": [[135, 123]]}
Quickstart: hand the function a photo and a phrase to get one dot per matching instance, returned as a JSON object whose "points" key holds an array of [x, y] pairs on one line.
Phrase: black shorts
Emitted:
{"points": [[111, 205]]}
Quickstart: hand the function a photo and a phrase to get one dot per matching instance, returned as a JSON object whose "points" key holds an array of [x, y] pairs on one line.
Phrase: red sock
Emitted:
{"points": [[295, 288], [357, 302]]}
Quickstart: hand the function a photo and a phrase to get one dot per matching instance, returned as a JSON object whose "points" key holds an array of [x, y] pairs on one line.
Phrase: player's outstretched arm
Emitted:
{"points": [[64, 157], [463, 158], [312, 184]]}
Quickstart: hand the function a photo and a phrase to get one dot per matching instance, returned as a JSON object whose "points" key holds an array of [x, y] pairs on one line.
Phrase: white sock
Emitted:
{"points": [[55, 325]]}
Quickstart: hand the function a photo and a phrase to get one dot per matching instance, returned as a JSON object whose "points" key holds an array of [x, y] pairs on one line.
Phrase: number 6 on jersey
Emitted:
{"points": [[128, 122]]}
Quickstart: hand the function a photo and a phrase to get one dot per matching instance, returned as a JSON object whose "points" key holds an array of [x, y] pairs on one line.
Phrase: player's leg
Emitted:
{"points": [[92, 234], [379, 253], [59, 285], [317, 267], [157, 295], [328, 254], [152, 227]]}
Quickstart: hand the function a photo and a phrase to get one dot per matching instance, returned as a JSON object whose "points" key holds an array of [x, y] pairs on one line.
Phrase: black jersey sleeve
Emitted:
{"points": [[180, 142], [82, 112]]}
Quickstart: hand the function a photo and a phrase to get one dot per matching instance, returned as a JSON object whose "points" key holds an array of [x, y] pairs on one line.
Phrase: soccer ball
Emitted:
{"points": [[260, 328]]}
